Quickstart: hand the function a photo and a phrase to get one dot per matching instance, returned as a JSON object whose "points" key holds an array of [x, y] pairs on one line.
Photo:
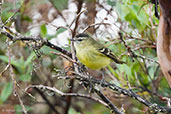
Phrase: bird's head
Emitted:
{"points": [[81, 37], [82, 40]]}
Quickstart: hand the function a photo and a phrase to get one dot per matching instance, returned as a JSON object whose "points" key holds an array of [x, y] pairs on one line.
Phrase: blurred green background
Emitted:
{"points": [[135, 19]]}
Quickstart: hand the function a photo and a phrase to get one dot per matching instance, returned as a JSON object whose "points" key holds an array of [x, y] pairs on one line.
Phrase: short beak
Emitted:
{"points": [[73, 40]]}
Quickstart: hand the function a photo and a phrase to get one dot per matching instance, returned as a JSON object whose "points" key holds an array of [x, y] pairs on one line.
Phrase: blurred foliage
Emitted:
{"points": [[6, 92], [59, 4], [135, 18]]}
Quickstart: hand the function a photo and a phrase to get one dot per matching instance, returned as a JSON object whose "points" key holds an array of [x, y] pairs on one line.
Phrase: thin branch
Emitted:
{"points": [[66, 94], [132, 53], [142, 46], [42, 42], [149, 59], [133, 95], [58, 49], [76, 20], [21, 103], [69, 98], [37, 41], [1, 2], [47, 100], [72, 34], [13, 16], [110, 104], [58, 27], [14, 80], [140, 39], [130, 93], [92, 25], [64, 56], [25, 91], [9, 61], [128, 84], [73, 54], [78, 15], [5, 69]]}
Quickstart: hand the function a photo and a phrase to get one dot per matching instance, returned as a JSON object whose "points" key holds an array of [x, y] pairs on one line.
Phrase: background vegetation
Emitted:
{"points": [[127, 27]]}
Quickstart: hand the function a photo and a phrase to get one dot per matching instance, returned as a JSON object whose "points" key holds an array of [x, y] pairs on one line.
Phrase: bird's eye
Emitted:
{"points": [[80, 39]]}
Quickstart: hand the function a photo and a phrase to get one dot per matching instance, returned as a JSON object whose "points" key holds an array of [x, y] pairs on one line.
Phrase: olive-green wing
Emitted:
{"points": [[105, 51], [110, 54]]}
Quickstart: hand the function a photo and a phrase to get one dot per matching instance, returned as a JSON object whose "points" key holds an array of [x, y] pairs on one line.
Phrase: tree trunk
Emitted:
{"points": [[164, 39]]}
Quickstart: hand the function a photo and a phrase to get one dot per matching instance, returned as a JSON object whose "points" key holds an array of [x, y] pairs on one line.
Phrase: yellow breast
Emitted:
{"points": [[93, 59]]}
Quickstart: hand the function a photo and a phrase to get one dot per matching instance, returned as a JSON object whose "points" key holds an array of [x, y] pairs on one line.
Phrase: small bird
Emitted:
{"points": [[93, 54]]}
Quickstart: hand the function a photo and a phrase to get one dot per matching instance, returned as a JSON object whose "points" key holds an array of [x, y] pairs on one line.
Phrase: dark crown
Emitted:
{"points": [[82, 35]]}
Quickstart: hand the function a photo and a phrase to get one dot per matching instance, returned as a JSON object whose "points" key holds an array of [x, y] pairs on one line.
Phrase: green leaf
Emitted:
{"points": [[6, 15], [46, 50], [61, 30], [132, 13], [25, 77], [6, 12], [122, 10], [29, 59], [132, 19], [5, 59], [98, 109], [72, 111], [126, 69], [135, 67], [43, 30], [19, 109], [151, 71], [49, 37], [113, 71], [19, 64], [26, 18], [111, 2], [6, 92], [59, 4]]}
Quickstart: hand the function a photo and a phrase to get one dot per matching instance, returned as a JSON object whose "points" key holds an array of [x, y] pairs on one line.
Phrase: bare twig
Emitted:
{"points": [[64, 56], [142, 46], [82, 78], [21, 103], [127, 47], [140, 39], [85, 80], [78, 15], [72, 34], [110, 104], [1, 2], [5, 69], [92, 25], [13, 16], [25, 91], [39, 42], [130, 93], [132, 53], [14, 81], [76, 20], [9, 62], [129, 85], [149, 59], [46, 99], [58, 27], [66, 94]]}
